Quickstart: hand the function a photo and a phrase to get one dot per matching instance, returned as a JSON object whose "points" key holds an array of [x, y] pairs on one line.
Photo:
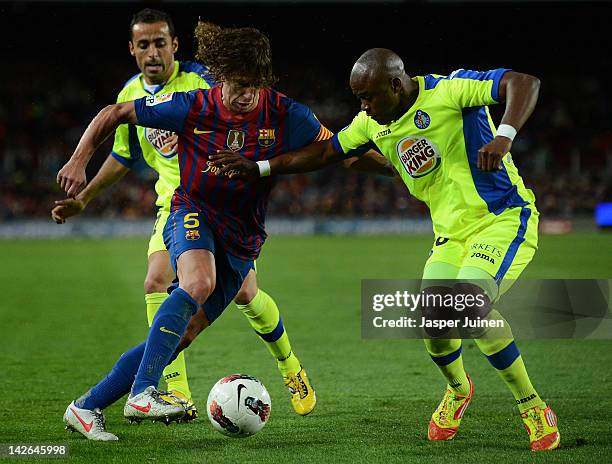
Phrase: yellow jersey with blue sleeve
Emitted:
{"points": [[152, 145], [434, 147]]}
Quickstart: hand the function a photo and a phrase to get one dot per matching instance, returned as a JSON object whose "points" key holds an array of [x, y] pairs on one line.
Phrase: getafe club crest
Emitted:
{"points": [[266, 137], [421, 119], [160, 140], [235, 139], [418, 155]]}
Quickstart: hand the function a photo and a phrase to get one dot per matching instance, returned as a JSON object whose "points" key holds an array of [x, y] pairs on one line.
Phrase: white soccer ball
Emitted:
{"points": [[238, 405]]}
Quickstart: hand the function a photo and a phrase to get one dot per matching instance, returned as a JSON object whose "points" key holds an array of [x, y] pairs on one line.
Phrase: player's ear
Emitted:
{"points": [[175, 44], [396, 85], [131, 46]]}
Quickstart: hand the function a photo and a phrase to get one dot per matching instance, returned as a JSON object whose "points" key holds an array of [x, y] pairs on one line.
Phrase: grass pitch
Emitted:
{"points": [[69, 308]]}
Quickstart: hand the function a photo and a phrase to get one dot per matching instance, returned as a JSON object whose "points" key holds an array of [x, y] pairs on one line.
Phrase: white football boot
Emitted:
{"points": [[91, 424], [151, 405]]}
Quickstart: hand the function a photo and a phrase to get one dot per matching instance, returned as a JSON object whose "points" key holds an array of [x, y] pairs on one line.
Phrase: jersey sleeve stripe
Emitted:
{"points": [[336, 144], [199, 69], [207, 76], [135, 148], [127, 162], [129, 81], [495, 75], [498, 75], [495, 188], [324, 134]]}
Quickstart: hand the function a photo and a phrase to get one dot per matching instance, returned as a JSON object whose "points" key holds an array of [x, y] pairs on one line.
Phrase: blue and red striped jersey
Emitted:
{"points": [[234, 208]]}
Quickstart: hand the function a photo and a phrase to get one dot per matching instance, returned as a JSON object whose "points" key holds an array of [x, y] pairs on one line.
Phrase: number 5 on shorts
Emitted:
{"points": [[191, 221]]}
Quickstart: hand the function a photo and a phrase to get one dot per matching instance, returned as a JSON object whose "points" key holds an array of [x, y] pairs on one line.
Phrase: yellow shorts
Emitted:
{"points": [[156, 242], [502, 249]]}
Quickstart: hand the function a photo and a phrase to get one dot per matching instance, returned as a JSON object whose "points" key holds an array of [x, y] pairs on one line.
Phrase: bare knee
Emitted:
{"points": [[156, 283], [197, 274], [159, 274], [245, 295], [199, 288], [248, 290]]}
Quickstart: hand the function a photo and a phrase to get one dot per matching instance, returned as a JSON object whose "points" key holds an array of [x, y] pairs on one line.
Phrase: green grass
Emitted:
{"points": [[69, 308]]}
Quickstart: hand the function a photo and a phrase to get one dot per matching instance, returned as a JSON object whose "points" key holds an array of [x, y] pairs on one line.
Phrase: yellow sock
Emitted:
{"points": [[264, 317], [446, 353], [504, 356], [175, 373]]}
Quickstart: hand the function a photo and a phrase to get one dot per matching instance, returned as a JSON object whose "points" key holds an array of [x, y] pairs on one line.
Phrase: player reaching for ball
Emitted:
{"points": [[216, 227], [153, 43], [438, 134]]}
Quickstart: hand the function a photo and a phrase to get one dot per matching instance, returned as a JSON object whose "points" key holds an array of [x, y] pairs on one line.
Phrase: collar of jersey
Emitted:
{"points": [[162, 86], [421, 84]]}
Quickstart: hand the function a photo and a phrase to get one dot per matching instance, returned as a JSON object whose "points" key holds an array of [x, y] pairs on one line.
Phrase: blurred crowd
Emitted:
{"points": [[564, 153]]}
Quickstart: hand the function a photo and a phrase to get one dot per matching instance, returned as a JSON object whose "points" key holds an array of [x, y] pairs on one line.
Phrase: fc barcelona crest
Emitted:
{"points": [[192, 235], [266, 137], [235, 139]]}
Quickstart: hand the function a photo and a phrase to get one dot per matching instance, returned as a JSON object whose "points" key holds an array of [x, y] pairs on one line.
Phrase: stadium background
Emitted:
{"points": [[77, 60], [70, 307]]}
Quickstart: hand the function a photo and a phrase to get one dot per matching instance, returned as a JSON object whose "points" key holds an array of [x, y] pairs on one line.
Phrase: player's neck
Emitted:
{"points": [[410, 95]]}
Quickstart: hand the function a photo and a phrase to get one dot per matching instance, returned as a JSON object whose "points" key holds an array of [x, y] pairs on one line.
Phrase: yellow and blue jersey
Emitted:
{"points": [[434, 147], [150, 144]]}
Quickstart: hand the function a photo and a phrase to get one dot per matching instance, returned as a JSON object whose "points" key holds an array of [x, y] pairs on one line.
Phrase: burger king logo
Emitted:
{"points": [[418, 155], [160, 140]]}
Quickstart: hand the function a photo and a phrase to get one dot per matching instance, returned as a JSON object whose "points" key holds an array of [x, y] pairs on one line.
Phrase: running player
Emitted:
{"points": [[438, 134]]}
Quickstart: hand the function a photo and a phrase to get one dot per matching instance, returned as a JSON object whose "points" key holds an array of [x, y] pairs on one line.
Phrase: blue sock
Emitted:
{"points": [[116, 384], [168, 327]]}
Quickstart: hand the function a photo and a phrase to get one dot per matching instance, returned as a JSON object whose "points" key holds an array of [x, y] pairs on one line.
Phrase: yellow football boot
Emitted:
{"points": [[175, 396], [303, 396], [541, 425], [445, 420]]}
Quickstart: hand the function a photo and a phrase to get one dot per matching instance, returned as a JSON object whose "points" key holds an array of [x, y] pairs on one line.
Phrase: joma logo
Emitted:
{"points": [[483, 256]]}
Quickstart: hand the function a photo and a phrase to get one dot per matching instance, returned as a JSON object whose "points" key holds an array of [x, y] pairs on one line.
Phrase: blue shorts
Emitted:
{"points": [[187, 230]]}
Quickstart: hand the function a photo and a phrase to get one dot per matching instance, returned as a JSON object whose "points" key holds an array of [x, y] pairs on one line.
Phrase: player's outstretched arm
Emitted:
{"points": [[72, 176], [110, 172], [371, 162], [520, 92], [312, 157]]}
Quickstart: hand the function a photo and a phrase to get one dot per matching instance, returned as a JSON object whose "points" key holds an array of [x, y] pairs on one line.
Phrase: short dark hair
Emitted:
{"points": [[150, 16], [232, 53]]}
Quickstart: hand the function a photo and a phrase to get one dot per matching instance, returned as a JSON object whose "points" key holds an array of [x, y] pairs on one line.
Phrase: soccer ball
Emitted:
{"points": [[238, 405]]}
